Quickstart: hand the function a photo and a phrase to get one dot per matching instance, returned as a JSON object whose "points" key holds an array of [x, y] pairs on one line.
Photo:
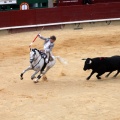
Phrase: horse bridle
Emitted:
{"points": [[31, 60]]}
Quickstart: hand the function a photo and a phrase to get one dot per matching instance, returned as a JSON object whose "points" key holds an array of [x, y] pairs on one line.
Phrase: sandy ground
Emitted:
{"points": [[63, 97]]}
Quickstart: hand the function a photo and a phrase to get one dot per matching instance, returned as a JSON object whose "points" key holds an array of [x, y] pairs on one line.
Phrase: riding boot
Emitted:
{"points": [[46, 60], [51, 58]]}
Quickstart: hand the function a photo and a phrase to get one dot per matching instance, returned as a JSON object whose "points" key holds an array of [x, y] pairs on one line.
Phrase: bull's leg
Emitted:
{"points": [[90, 75], [108, 74], [99, 74], [116, 73], [21, 75]]}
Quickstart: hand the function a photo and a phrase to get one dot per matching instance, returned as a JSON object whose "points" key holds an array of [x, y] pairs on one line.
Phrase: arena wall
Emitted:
{"points": [[58, 15]]}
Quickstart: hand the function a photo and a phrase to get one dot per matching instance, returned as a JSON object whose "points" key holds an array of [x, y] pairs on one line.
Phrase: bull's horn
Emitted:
{"points": [[83, 59]]}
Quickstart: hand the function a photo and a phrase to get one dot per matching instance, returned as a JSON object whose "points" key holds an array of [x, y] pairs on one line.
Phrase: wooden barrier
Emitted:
{"points": [[59, 15]]}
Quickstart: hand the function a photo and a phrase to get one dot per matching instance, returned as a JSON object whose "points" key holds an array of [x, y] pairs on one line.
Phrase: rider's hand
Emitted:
{"points": [[39, 35], [30, 44]]}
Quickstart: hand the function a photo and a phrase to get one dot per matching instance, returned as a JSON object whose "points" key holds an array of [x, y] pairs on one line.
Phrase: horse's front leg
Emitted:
{"points": [[33, 76], [21, 75], [38, 77]]}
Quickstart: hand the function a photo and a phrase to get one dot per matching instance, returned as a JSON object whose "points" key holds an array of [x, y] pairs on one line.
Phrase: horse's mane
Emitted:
{"points": [[35, 49]]}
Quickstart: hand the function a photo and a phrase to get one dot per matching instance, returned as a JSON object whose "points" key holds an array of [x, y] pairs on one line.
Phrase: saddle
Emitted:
{"points": [[43, 55]]}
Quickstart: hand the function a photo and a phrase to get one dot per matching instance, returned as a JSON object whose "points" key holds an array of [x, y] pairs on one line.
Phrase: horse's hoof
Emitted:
{"points": [[33, 78], [35, 81], [21, 76]]}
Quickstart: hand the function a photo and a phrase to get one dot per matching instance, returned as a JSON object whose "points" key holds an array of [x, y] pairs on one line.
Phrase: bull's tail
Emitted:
{"points": [[61, 60]]}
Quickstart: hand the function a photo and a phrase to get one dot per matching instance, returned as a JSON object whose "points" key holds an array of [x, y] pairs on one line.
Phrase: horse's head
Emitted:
{"points": [[32, 55]]}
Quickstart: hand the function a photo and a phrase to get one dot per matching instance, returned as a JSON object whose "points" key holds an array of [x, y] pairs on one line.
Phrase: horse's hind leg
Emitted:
{"points": [[38, 77], [21, 75], [47, 68], [43, 73]]}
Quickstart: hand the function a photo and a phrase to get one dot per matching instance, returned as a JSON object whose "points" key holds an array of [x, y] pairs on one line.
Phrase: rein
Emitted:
{"points": [[37, 63]]}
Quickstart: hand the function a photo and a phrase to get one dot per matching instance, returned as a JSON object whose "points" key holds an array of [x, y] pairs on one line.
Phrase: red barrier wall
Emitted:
{"points": [[80, 2], [105, 1], [59, 14]]}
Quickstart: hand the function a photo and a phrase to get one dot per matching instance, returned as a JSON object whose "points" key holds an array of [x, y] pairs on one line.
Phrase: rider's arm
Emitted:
{"points": [[41, 37]]}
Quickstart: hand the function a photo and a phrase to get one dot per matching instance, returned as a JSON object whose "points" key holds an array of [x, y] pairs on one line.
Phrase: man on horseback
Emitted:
{"points": [[38, 58], [48, 46]]}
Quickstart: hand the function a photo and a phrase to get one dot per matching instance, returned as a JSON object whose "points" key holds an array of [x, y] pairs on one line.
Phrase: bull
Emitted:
{"points": [[100, 65]]}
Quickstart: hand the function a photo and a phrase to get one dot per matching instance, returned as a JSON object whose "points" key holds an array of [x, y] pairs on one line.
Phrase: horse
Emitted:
{"points": [[38, 64]]}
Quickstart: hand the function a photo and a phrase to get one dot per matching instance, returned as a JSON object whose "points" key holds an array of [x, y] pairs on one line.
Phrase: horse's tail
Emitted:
{"points": [[61, 60]]}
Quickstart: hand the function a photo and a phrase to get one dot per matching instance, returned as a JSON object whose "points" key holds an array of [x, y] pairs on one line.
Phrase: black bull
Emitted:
{"points": [[101, 65]]}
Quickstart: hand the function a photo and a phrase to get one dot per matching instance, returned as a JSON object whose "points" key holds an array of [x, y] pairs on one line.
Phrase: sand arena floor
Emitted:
{"points": [[67, 95]]}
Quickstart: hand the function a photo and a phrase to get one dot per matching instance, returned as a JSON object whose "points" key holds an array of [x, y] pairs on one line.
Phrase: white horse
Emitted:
{"points": [[38, 64]]}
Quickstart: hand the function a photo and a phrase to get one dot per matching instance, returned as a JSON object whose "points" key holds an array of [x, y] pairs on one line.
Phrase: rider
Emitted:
{"points": [[48, 46]]}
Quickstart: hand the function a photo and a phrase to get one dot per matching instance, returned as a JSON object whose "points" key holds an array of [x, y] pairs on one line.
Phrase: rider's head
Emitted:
{"points": [[52, 38]]}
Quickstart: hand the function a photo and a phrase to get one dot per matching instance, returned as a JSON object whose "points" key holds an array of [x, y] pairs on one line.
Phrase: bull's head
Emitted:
{"points": [[88, 63]]}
